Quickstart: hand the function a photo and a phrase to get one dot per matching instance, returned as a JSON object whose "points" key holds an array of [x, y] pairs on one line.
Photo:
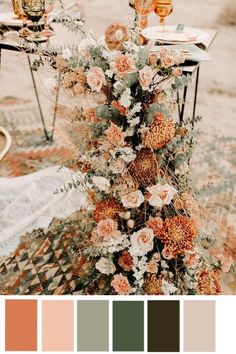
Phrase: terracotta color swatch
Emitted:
{"points": [[199, 326], [163, 326], [93, 325], [57, 322], [128, 326], [21, 325]]}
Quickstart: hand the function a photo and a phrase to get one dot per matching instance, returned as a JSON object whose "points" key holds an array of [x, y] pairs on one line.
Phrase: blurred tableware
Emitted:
{"points": [[17, 8], [143, 8], [34, 9], [163, 8], [169, 35], [48, 8]]}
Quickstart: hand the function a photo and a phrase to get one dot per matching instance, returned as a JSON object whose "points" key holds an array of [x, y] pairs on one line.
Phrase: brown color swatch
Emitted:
{"points": [[199, 326], [21, 325], [163, 326]]}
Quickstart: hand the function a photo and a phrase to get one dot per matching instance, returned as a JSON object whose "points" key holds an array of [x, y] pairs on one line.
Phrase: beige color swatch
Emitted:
{"points": [[199, 326]]}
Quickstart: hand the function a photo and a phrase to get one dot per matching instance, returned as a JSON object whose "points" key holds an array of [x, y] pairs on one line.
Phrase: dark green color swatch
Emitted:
{"points": [[92, 326], [163, 326], [128, 326]]}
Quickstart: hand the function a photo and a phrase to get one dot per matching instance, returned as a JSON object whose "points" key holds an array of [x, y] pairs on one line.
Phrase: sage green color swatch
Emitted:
{"points": [[93, 326], [128, 326]]}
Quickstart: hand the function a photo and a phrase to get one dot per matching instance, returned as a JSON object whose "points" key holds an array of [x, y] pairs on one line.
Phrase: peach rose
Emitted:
{"points": [[168, 61], [121, 284], [177, 72], [115, 135], [96, 78], [145, 77], [167, 254], [133, 199], [153, 57], [117, 166], [152, 267], [161, 195], [156, 257], [124, 65], [105, 266], [107, 229], [142, 241]]}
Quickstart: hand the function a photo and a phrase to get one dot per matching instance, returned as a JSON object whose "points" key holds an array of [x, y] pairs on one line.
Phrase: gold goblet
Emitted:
{"points": [[34, 9], [163, 8], [143, 8]]}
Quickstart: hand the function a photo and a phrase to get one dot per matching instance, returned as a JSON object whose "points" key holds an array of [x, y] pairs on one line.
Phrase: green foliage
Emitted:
{"points": [[109, 113]]}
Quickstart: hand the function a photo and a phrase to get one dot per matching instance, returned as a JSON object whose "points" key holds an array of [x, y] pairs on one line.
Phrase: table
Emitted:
{"points": [[191, 70], [62, 39]]}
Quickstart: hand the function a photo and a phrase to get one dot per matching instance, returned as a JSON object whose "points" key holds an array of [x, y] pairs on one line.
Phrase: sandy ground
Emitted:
{"points": [[216, 100]]}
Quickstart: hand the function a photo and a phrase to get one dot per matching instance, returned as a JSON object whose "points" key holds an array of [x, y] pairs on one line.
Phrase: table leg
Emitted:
{"points": [[38, 101], [182, 108], [195, 96], [55, 112]]}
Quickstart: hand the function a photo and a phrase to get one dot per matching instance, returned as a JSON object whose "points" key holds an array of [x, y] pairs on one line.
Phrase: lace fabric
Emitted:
{"points": [[29, 202]]}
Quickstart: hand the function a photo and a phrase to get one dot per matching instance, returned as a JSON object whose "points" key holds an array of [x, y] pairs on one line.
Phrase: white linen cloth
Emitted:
{"points": [[29, 202]]}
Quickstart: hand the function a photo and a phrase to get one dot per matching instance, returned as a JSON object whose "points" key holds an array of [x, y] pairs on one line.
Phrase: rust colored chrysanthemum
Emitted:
{"points": [[177, 234], [115, 35], [126, 261], [159, 134], [145, 167], [81, 77], [153, 285], [107, 209], [209, 282]]}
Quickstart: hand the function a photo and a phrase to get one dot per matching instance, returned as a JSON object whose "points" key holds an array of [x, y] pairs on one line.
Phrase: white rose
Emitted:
{"points": [[105, 266], [142, 241], [133, 199], [117, 165], [145, 77], [161, 195], [102, 183]]}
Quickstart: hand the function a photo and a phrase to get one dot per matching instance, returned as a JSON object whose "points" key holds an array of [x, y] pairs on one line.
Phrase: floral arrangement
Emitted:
{"points": [[142, 233]]}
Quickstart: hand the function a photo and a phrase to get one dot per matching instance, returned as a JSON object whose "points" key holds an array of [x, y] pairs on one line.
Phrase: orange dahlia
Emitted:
{"points": [[159, 134], [209, 282], [107, 209], [115, 35], [177, 234], [145, 167], [153, 285]]}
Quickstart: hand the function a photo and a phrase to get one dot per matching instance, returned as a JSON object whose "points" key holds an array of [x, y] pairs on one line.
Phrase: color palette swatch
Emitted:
{"points": [[107, 325]]}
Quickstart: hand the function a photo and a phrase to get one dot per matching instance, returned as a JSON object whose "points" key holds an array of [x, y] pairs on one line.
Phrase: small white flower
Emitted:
{"points": [[102, 183], [126, 98], [66, 54]]}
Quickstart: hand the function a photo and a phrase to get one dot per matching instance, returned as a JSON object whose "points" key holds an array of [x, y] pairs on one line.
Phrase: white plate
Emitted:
{"points": [[168, 34], [11, 20]]}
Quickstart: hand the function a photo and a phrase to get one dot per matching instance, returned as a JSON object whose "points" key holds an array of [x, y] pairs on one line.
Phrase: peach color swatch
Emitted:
{"points": [[21, 325], [57, 325]]}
